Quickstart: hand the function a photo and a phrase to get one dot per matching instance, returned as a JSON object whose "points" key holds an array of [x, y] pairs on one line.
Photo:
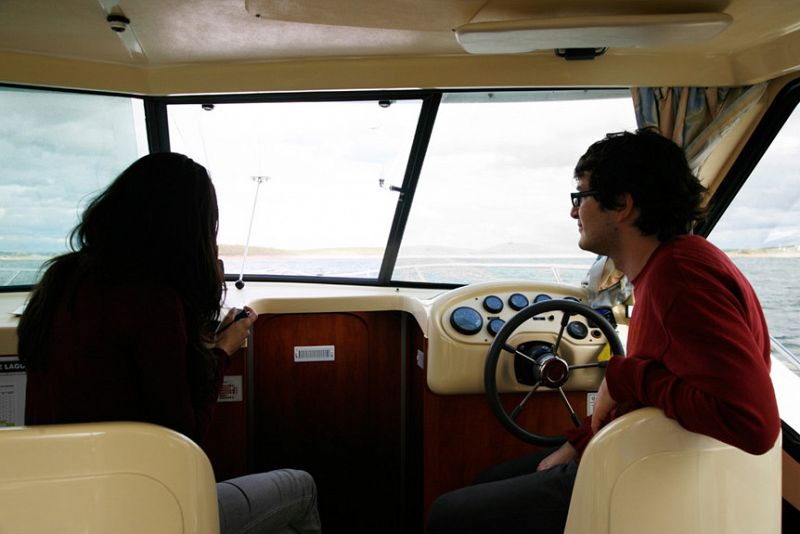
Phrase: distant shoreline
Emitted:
{"points": [[258, 252], [30, 257], [764, 253]]}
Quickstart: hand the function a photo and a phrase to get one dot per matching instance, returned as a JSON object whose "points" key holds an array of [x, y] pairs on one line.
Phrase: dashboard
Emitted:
{"points": [[464, 323]]}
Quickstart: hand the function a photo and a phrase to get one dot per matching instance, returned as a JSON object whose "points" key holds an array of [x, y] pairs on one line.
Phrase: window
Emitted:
{"points": [[323, 206], [760, 231], [493, 196], [58, 150], [311, 188]]}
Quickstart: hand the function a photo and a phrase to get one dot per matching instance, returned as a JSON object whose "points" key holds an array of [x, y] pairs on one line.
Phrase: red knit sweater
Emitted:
{"points": [[698, 349]]}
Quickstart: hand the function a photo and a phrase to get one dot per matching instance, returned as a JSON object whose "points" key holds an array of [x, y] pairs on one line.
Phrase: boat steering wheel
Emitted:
{"points": [[540, 363]]}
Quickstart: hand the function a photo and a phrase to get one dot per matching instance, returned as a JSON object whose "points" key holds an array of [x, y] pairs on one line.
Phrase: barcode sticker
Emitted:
{"points": [[317, 353], [231, 390], [590, 400]]}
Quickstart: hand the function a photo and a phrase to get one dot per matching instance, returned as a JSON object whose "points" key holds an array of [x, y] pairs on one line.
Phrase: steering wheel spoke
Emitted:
{"points": [[564, 321], [572, 414], [514, 350], [601, 365], [552, 371], [518, 408]]}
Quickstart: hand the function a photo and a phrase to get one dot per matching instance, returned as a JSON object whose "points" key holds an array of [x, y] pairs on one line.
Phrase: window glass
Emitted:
{"points": [[304, 185], [493, 196], [58, 150], [760, 231]]}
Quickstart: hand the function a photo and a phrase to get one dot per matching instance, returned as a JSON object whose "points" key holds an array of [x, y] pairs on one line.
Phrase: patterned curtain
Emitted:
{"points": [[696, 118]]}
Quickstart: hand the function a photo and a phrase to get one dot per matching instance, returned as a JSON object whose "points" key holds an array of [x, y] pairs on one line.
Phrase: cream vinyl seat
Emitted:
{"points": [[644, 473], [104, 477]]}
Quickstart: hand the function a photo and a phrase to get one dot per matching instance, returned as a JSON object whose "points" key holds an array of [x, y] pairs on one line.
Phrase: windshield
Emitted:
{"points": [[493, 196], [415, 188], [315, 188]]}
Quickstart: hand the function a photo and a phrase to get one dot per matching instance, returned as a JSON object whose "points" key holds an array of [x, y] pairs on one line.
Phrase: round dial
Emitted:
{"points": [[493, 304], [577, 330], [495, 325], [517, 301], [466, 320], [541, 297]]}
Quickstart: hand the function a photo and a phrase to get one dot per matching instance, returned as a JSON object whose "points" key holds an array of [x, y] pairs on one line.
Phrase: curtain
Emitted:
{"points": [[696, 118]]}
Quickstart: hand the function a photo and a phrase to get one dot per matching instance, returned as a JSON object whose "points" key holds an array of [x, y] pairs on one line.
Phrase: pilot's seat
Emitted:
{"points": [[126, 478], [644, 473]]}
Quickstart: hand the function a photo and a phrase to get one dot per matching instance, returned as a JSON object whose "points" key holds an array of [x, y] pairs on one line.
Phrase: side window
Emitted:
{"points": [[58, 149], [760, 231]]}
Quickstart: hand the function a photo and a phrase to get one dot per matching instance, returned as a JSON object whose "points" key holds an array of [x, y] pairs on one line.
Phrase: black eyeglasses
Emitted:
{"points": [[576, 197]]}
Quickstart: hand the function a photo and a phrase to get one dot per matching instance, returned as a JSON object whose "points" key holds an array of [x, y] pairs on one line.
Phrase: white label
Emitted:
{"points": [[231, 390], [13, 381], [317, 353], [590, 400], [420, 359]]}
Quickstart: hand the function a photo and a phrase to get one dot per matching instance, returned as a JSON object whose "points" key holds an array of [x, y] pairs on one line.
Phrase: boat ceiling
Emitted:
{"points": [[206, 46]]}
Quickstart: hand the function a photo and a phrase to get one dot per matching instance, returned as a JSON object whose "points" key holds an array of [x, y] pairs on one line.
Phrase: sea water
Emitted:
{"points": [[777, 283], [776, 279]]}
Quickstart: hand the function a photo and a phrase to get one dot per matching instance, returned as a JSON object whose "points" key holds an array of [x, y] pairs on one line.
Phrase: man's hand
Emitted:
{"points": [[603, 405], [561, 456]]}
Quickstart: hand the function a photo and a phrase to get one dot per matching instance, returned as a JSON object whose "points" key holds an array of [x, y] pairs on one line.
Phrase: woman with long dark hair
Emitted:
{"points": [[123, 327]]}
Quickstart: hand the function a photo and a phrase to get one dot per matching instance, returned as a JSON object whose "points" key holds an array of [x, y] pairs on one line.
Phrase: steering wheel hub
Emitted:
{"points": [[553, 372]]}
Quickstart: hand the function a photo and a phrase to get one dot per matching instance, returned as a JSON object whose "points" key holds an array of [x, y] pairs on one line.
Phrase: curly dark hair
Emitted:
{"points": [[654, 170]]}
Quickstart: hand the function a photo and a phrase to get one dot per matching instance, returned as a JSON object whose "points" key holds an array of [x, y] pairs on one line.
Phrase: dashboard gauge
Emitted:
{"points": [[541, 297], [493, 304], [577, 330], [495, 325], [607, 314], [573, 299], [466, 320], [517, 301]]}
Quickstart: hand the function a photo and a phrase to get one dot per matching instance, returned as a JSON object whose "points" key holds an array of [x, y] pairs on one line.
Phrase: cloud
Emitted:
{"points": [[58, 151]]}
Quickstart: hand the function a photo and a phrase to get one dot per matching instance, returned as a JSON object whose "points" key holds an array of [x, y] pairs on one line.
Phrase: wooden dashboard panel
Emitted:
{"points": [[339, 420]]}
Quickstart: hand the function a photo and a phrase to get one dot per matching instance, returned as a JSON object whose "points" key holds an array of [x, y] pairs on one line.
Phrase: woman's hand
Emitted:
{"points": [[562, 455], [233, 332]]}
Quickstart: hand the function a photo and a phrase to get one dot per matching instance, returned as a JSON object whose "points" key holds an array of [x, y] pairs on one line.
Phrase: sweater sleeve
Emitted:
{"points": [[708, 372], [579, 437]]}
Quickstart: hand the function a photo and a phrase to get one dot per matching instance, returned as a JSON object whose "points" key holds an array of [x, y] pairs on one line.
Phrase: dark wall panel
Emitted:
{"points": [[226, 442], [463, 437], [339, 420]]}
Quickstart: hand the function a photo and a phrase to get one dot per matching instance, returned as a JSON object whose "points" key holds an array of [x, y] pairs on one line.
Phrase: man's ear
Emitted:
{"points": [[627, 210]]}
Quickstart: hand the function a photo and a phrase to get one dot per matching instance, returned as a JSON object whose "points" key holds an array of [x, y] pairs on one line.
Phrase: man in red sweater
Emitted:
{"points": [[698, 346]]}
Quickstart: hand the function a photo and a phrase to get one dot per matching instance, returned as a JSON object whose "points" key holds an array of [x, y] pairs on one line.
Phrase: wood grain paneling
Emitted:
{"points": [[378, 465], [415, 430], [338, 420], [226, 442], [463, 437]]}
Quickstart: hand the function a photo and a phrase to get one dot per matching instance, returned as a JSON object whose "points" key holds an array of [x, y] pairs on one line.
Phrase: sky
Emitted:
{"points": [[766, 212], [495, 181], [58, 150]]}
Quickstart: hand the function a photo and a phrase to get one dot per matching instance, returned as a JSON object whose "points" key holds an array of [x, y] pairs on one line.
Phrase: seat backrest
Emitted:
{"points": [[644, 472], [104, 477]]}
